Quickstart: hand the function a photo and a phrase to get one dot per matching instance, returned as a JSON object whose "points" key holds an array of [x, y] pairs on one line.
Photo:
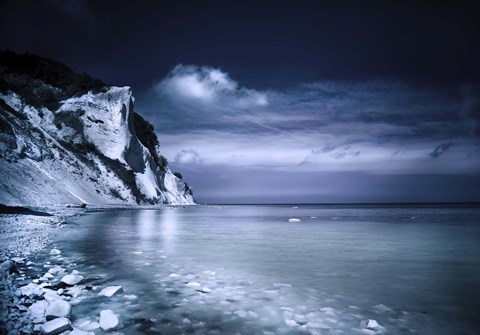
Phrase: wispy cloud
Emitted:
{"points": [[380, 126]]}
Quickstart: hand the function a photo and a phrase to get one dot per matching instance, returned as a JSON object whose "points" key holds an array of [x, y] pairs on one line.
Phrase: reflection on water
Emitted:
{"points": [[246, 269]]}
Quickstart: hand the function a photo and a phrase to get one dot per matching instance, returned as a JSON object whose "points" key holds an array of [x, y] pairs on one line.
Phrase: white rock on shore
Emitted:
{"points": [[58, 309], [110, 291], [37, 309], [109, 320], [370, 324], [71, 279], [86, 324], [56, 326], [55, 252]]}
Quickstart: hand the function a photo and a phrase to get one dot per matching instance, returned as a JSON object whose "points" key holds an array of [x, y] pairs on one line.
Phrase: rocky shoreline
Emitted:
{"points": [[37, 297]]}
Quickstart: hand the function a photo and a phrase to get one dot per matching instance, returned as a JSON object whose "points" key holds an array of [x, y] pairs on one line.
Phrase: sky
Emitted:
{"points": [[286, 101]]}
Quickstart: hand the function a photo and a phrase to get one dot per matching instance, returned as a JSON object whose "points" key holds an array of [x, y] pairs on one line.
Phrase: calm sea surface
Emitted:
{"points": [[247, 270]]}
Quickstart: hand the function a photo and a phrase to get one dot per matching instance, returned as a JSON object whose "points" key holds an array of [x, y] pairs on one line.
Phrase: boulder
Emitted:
{"points": [[37, 309], [109, 320], [58, 309], [110, 291], [56, 326]]}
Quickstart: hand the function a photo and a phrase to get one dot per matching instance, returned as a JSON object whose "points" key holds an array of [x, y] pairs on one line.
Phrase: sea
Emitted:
{"points": [[248, 269]]}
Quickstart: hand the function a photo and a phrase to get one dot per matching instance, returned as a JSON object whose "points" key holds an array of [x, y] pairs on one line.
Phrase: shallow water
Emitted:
{"points": [[414, 270]]}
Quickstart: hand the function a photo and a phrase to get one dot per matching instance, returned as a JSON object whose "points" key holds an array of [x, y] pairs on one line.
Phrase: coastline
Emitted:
{"points": [[28, 287], [24, 234]]}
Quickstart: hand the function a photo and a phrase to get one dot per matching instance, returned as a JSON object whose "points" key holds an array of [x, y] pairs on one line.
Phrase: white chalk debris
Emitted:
{"points": [[110, 291], [55, 252], [58, 309], [71, 279], [56, 326], [109, 320], [370, 324]]}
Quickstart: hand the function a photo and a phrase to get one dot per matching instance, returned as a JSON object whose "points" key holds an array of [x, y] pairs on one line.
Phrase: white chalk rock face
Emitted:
{"points": [[58, 309], [56, 326], [294, 220], [71, 279], [109, 320], [110, 291], [103, 125]]}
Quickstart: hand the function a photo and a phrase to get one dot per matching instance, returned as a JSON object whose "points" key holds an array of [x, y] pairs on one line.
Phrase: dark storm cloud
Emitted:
{"points": [[441, 149], [207, 120]]}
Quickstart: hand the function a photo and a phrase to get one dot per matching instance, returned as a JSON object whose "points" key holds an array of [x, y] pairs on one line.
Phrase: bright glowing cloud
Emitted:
{"points": [[208, 86]]}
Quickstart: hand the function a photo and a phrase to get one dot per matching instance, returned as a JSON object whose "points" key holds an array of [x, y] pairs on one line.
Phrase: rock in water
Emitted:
{"points": [[56, 326], [58, 309], [110, 291], [294, 220], [71, 279], [370, 324], [55, 252], [109, 320]]}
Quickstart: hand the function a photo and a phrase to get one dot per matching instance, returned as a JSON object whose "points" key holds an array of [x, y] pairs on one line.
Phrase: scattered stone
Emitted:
{"points": [[204, 290], [109, 320], [55, 270], [55, 252], [110, 291], [31, 290], [370, 324], [381, 308], [58, 309], [294, 220], [51, 295], [86, 324], [71, 279], [56, 326], [193, 284], [291, 323], [241, 313], [37, 310]]}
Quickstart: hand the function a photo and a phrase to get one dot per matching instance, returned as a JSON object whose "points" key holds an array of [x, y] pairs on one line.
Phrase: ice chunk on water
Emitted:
{"points": [[294, 220]]}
